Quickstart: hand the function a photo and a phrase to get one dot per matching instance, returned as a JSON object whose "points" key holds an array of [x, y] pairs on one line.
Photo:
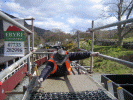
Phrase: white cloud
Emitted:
{"points": [[16, 15], [97, 6], [1, 4], [110, 20], [29, 3], [96, 1], [103, 22], [52, 8], [13, 7], [79, 23], [71, 20], [51, 24], [79, 12], [62, 17], [23, 12]]}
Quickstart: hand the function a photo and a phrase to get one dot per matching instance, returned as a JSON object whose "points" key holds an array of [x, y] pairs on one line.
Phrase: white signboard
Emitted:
{"points": [[14, 39], [14, 48]]}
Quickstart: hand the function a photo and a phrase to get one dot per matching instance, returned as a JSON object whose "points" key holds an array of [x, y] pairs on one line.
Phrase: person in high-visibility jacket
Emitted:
{"points": [[59, 63]]}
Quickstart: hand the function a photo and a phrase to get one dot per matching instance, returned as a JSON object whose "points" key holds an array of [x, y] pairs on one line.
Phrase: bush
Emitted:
{"points": [[86, 45], [68, 45]]}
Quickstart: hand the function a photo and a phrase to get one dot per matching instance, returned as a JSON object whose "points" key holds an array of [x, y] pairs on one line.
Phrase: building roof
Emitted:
{"points": [[6, 59]]}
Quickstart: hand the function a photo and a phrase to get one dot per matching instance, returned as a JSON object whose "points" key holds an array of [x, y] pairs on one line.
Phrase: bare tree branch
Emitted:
{"points": [[127, 8], [120, 8], [130, 10], [127, 32], [115, 16], [111, 4]]}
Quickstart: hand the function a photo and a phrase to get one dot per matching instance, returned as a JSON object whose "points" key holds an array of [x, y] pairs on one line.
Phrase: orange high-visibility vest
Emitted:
{"points": [[67, 62]]}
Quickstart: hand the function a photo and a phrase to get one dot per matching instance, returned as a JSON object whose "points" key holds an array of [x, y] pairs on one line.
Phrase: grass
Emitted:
{"points": [[130, 39], [105, 66]]}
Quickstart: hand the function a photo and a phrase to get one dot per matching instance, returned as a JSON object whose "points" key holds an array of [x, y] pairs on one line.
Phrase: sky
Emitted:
{"points": [[66, 15]]}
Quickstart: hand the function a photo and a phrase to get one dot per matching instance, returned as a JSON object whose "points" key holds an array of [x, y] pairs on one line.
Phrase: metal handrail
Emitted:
{"points": [[129, 64], [113, 24], [13, 66], [12, 72], [43, 52], [107, 26], [10, 20]]}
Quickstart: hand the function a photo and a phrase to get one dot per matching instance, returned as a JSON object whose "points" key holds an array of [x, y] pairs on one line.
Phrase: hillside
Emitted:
{"points": [[38, 30]]}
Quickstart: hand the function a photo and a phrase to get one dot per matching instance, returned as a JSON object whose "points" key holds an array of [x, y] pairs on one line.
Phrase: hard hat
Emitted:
{"points": [[60, 57]]}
